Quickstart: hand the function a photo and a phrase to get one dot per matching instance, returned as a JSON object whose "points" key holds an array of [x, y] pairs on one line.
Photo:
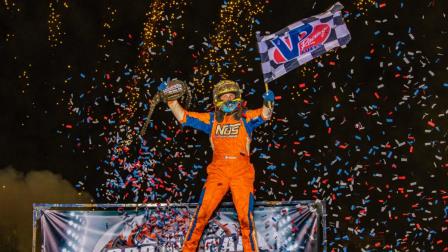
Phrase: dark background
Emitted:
{"points": [[382, 169]]}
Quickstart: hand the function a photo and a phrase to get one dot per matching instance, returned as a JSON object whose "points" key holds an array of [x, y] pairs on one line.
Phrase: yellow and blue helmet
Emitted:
{"points": [[224, 87]]}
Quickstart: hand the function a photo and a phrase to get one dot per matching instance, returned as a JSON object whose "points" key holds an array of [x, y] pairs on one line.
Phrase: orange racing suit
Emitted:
{"points": [[230, 168]]}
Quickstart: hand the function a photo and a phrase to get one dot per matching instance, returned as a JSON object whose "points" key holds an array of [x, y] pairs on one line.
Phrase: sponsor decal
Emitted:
{"points": [[227, 130], [300, 40]]}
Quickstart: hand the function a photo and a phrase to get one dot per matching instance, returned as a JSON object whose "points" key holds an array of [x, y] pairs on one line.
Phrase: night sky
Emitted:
{"points": [[363, 128]]}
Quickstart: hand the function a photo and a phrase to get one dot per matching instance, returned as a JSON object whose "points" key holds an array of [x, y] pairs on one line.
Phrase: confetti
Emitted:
{"points": [[363, 129]]}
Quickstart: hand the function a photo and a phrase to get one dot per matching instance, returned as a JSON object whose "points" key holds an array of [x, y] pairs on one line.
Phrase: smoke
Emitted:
{"points": [[18, 192]]}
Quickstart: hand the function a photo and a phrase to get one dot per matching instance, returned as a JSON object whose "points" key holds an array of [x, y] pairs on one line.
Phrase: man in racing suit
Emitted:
{"points": [[230, 129]]}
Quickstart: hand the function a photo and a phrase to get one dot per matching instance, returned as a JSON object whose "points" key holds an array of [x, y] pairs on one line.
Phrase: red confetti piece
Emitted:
{"points": [[377, 95], [343, 146]]}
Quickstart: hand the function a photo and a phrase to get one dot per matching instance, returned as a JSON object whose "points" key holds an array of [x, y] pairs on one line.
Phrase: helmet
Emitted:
{"points": [[224, 87]]}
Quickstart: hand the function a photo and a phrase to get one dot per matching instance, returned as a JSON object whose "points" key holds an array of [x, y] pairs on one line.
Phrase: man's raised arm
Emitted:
{"points": [[268, 105], [177, 110]]}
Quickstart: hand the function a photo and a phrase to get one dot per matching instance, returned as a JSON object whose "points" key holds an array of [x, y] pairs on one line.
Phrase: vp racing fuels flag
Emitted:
{"points": [[301, 42]]}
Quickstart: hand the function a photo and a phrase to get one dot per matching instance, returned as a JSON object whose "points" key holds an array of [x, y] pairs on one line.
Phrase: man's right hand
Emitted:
{"points": [[162, 86]]}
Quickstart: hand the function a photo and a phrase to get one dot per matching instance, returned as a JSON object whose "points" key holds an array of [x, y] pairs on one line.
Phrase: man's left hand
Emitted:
{"points": [[269, 96]]}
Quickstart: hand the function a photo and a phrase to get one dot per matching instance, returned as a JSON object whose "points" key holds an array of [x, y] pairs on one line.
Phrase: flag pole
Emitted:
{"points": [[266, 86]]}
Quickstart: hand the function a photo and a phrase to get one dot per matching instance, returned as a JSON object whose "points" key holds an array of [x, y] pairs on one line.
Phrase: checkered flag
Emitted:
{"points": [[301, 42]]}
